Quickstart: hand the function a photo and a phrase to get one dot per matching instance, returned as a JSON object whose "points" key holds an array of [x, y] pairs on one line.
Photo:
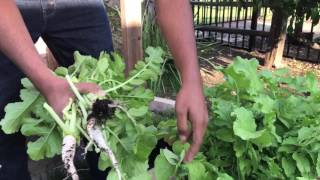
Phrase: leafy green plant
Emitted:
{"points": [[129, 133], [263, 125]]}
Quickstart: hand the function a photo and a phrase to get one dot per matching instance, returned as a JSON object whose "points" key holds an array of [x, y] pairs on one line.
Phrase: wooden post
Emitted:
{"points": [[277, 39], [254, 24], [131, 24]]}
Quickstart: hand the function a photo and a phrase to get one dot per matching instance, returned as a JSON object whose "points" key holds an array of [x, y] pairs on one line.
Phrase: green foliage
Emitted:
{"points": [[130, 133], [263, 125]]}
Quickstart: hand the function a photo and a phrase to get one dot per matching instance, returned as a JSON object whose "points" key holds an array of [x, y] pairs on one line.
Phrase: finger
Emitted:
{"points": [[197, 136], [86, 88], [182, 123]]}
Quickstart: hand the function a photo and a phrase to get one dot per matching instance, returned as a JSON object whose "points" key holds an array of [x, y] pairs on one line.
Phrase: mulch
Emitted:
{"points": [[223, 56]]}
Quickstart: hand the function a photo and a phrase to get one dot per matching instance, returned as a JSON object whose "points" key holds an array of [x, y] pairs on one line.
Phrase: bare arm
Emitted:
{"points": [[175, 20], [17, 45]]}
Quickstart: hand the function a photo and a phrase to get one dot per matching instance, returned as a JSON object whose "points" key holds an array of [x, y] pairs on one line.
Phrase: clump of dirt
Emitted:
{"points": [[102, 110]]}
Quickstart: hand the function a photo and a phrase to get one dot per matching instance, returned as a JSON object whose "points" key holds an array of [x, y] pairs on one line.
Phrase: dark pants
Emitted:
{"points": [[65, 26]]}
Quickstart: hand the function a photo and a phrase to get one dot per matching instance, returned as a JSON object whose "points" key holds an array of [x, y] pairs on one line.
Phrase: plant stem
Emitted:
{"points": [[109, 80], [75, 90], [118, 139], [73, 119], [130, 79], [83, 132], [55, 117], [129, 116]]}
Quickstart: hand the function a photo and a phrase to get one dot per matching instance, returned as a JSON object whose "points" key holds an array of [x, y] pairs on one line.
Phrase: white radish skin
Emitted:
{"points": [[68, 152], [96, 135]]}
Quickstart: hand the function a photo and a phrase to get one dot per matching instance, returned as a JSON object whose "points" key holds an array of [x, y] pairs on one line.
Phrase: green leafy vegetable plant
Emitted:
{"points": [[118, 125], [263, 125]]}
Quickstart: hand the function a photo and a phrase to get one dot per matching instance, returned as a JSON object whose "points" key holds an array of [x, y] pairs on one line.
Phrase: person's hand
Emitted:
{"points": [[190, 105], [59, 94]]}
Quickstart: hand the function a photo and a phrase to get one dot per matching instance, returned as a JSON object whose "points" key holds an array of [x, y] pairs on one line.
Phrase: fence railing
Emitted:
{"points": [[240, 24]]}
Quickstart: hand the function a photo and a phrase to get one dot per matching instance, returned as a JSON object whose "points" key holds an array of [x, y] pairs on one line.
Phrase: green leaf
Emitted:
{"points": [[196, 170], [103, 63], [143, 176], [138, 112], [265, 104], [132, 166], [243, 74], [155, 54], [224, 176], [318, 165], [112, 175], [274, 169], [46, 146], [145, 143], [288, 166], [265, 140], [245, 126], [240, 148], [305, 133], [223, 110], [34, 127], [172, 158], [225, 135], [61, 71], [163, 169], [16, 112], [104, 162], [304, 178], [178, 147], [303, 163], [26, 83]]}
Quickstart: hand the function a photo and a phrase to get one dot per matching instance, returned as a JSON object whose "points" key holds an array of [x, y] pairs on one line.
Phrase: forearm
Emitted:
{"points": [[175, 20], [17, 45]]}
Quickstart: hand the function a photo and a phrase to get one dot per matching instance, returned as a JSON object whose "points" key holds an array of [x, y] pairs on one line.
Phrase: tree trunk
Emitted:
{"points": [[277, 39]]}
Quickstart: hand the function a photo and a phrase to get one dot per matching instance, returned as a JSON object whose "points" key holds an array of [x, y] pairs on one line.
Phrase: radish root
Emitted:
{"points": [[68, 152], [96, 135]]}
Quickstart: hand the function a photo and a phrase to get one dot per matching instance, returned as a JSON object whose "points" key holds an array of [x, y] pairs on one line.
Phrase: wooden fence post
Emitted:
{"points": [[131, 24], [254, 24], [277, 39]]}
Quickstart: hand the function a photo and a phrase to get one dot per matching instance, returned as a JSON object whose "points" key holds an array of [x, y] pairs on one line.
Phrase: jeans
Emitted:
{"points": [[65, 26]]}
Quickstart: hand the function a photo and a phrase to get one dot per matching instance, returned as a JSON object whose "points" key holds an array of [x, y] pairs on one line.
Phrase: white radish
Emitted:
{"points": [[96, 135], [68, 153]]}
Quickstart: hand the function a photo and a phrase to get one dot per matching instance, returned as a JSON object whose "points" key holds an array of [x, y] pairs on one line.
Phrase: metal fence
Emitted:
{"points": [[239, 24]]}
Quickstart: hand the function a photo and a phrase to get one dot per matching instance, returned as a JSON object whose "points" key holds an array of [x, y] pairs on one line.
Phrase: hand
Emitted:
{"points": [[59, 93], [190, 105]]}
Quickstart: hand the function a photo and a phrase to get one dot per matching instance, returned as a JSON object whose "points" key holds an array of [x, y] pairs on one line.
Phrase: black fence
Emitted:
{"points": [[240, 25]]}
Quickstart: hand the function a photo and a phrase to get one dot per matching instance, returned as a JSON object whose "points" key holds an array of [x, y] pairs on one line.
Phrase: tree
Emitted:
{"points": [[284, 10]]}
